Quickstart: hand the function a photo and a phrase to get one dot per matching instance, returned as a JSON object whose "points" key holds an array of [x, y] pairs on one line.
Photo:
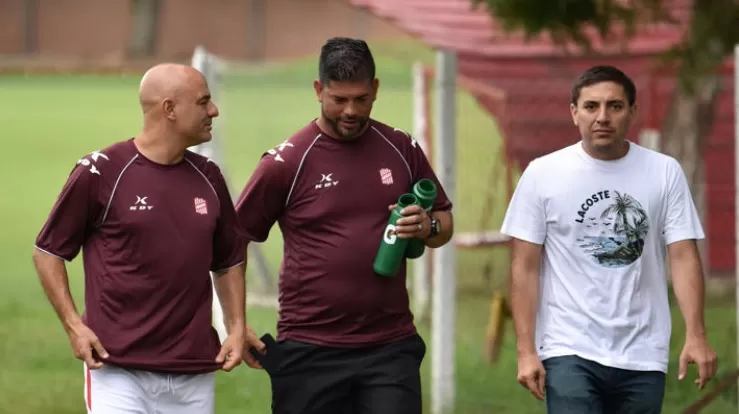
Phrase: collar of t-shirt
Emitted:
{"points": [[609, 165]]}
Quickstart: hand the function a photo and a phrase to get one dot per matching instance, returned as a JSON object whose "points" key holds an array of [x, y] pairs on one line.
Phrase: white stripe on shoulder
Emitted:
{"points": [[300, 167], [202, 174], [407, 166], [115, 186]]}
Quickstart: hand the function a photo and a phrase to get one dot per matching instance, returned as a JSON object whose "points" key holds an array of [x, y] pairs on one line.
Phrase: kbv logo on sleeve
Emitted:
{"points": [[95, 155]]}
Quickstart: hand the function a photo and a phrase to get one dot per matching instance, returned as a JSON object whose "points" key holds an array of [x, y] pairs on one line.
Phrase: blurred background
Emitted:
{"points": [[491, 77]]}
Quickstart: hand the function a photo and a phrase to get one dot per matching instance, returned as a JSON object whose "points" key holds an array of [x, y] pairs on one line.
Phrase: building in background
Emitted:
{"points": [[253, 30]]}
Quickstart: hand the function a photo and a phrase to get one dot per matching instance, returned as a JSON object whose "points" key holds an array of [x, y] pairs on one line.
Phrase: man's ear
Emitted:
{"points": [[168, 109], [318, 87], [573, 113], [633, 111]]}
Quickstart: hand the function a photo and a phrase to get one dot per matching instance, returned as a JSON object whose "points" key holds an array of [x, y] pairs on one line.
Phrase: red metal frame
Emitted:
{"points": [[486, 52]]}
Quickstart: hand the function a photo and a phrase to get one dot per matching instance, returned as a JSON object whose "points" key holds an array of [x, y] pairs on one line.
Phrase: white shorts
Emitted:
{"points": [[115, 390]]}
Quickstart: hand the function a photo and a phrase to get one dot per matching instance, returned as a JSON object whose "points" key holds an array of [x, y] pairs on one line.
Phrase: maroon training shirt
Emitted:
{"points": [[149, 234], [331, 200]]}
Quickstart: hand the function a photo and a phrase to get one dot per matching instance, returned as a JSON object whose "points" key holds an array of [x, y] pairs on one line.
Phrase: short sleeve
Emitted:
{"points": [[262, 201], [681, 217], [74, 215], [421, 168], [525, 218], [229, 246]]}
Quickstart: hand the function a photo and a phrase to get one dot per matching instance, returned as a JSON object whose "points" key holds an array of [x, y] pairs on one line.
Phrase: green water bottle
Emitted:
{"points": [[425, 191], [391, 253]]}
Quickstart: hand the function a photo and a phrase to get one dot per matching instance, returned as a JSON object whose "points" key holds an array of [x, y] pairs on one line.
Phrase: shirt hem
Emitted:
{"points": [[226, 269], [169, 370], [524, 235], [252, 239], [443, 208], [682, 236], [609, 362], [352, 342]]}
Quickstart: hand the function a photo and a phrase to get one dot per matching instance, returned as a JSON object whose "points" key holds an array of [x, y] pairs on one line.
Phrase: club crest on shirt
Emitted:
{"points": [[386, 176], [201, 206], [615, 226]]}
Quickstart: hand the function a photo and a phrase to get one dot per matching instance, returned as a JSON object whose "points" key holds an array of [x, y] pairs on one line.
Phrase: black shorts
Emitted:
{"points": [[311, 379]]}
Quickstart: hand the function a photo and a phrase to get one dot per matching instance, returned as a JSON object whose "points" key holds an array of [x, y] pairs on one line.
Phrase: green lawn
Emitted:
{"points": [[49, 122]]}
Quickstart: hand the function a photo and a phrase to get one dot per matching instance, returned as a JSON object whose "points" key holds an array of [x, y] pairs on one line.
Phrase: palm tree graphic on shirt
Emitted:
{"points": [[616, 236]]}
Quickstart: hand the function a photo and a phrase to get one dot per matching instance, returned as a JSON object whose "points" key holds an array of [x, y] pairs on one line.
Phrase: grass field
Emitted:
{"points": [[50, 121]]}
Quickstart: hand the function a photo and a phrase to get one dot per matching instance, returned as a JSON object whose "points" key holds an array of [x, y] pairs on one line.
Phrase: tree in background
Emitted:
{"points": [[144, 27], [709, 39], [30, 26]]}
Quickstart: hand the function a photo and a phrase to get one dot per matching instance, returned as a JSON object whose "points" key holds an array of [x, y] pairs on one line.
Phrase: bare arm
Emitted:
{"points": [[688, 284], [524, 296], [52, 272], [230, 287], [53, 275], [446, 224]]}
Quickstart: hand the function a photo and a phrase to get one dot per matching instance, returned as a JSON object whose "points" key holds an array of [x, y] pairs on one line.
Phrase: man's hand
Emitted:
{"points": [[697, 351], [531, 374], [251, 340], [84, 341], [414, 224], [231, 351]]}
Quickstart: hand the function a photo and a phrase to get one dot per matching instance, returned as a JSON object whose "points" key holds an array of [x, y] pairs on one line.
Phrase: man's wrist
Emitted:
{"points": [[525, 345], [434, 227], [237, 328], [527, 352], [695, 334], [71, 322]]}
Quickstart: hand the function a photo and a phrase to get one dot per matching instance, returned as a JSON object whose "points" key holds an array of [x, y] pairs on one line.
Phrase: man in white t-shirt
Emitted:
{"points": [[591, 224]]}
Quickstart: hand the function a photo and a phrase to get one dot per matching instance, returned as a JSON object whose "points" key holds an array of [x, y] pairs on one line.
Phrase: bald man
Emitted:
{"points": [[152, 220]]}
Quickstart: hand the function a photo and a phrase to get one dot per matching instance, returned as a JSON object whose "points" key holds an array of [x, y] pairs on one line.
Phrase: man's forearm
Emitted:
{"points": [[689, 287], [524, 305], [53, 276], [231, 290], [446, 225]]}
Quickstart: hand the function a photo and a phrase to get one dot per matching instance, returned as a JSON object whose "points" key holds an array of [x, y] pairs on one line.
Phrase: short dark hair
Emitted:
{"points": [[345, 60], [604, 73]]}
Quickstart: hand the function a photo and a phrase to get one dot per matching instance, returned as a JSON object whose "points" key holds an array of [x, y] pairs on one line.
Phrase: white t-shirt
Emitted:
{"points": [[604, 226]]}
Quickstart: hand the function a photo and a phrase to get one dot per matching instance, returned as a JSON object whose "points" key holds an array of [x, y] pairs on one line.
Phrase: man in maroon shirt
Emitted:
{"points": [[346, 338], [152, 220]]}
